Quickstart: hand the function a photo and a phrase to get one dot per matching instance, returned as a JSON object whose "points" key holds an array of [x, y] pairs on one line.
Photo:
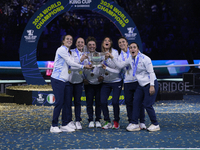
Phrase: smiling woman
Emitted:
{"points": [[62, 88], [112, 83], [92, 85], [76, 78]]}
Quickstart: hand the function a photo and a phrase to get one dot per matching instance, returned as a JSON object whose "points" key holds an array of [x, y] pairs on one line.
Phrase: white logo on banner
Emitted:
{"points": [[40, 98], [80, 3], [30, 37], [130, 35]]}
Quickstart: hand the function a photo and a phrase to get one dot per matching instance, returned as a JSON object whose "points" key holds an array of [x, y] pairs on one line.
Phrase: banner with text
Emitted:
{"points": [[52, 9]]}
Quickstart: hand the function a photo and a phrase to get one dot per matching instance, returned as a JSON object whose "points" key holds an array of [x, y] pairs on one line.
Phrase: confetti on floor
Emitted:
{"points": [[27, 127]]}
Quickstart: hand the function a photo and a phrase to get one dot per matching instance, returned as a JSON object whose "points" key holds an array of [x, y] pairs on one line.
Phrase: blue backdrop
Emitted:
{"points": [[37, 23]]}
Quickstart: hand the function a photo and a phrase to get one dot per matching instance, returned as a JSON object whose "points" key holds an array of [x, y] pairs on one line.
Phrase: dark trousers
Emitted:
{"points": [[142, 96], [105, 92], [63, 96], [93, 91], [77, 93], [129, 90]]}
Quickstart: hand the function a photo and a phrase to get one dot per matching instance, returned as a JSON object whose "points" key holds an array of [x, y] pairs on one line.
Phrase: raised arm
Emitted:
{"points": [[111, 69], [117, 63], [64, 54]]}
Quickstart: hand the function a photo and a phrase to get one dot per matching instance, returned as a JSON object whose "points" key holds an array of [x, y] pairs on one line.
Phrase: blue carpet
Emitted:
{"points": [[27, 127]]}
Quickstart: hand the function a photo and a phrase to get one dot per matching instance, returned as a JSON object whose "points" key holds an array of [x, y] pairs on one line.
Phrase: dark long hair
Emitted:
{"points": [[122, 37], [134, 43]]}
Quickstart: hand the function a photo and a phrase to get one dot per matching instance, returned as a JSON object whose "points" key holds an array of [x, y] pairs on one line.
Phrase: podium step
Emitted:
{"points": [[4, 98], [169, 96]]}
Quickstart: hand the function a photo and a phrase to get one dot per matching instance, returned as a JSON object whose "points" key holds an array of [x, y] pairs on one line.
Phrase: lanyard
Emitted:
{"points": [[123, 58], [136, 64], [69, 54], [77, 52], [106, 63]]}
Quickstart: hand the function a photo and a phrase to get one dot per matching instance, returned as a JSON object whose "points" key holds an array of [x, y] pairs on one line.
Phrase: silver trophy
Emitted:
{"points": [[96, 58]]}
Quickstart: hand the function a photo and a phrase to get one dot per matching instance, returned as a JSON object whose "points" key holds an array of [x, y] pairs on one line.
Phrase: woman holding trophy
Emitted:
{"points": [[130, 84], [76, 78], [112, 83], [61, 86], [92, 84]]}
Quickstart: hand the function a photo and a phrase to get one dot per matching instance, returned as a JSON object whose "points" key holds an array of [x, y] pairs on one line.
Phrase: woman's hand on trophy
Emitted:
{"points": [[88, 66], [83, 57], [108, 55], [104, 66]]}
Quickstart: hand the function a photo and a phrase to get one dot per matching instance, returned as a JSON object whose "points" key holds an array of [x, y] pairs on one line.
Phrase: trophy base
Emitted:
{"points": [[97, 65]]}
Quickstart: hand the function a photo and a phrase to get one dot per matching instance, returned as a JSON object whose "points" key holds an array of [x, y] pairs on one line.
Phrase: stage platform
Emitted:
{"points": [[169, 89]]}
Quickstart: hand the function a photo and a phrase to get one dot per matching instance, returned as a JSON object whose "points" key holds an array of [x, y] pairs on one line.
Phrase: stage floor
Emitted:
{"points": [[27, 127]]}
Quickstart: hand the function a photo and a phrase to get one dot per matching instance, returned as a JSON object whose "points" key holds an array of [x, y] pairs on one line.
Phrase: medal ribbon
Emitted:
{"points": [[136, 63], [123, 58], [69, 67], [105, 63], [77, 52]]}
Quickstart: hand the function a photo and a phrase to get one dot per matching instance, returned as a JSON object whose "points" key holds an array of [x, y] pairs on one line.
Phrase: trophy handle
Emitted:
{"points": [[85, 50]]}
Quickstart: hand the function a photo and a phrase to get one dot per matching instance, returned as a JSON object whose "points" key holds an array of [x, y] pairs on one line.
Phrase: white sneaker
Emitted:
{"points": [[71, 125], [66, 129], [129, 125], [107, 125], [153, 128], [142, 126], [55, 130], [91, 124], [133, 127], [98, 124], [78, 125]]}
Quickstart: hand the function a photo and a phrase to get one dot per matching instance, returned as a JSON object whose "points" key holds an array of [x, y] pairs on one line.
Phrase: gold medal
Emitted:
{"points": [[80, 72], [92, 74], [127, 71], [69, 71]]}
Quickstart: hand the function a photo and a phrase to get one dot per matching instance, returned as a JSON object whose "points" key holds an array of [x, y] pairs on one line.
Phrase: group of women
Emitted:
{"points": [[131, 69]]}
